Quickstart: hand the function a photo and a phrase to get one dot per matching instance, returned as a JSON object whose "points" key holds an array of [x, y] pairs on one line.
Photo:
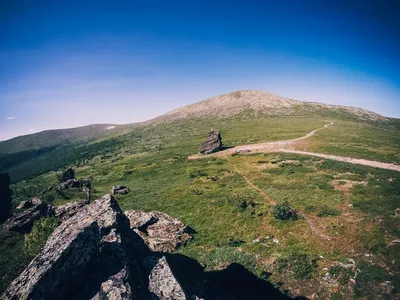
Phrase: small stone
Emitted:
{"points": [[276, 241]]}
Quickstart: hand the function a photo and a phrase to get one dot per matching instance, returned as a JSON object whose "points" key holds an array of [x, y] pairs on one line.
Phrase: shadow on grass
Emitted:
{"points": [[233, 283]]}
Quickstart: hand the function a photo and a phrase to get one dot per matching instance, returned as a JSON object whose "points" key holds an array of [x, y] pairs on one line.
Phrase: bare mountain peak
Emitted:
{"points": [[260, 102]]}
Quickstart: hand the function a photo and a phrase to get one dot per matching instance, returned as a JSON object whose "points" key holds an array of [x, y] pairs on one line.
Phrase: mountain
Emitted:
{"points": [[34, 154], [260, 102]]}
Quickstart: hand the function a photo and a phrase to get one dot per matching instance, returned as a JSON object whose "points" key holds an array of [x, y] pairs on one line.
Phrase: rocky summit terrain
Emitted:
{"points": [[94, 254]]}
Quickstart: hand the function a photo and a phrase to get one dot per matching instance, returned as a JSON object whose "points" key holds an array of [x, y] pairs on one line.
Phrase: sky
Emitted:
{"points": [[71, 63]]}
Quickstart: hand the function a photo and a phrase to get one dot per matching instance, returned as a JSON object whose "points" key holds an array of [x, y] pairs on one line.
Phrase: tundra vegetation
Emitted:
{"points": [[311, 226]]}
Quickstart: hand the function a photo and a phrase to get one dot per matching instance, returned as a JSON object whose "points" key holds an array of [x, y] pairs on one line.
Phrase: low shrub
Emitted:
{"points": [[298, 265], [41, 230], [341, 273], [195, 172], [283, 211], [241, 201]]}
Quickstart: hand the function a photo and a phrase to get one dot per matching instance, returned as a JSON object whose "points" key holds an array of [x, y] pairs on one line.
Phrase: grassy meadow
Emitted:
{"points": [[342, 245]]}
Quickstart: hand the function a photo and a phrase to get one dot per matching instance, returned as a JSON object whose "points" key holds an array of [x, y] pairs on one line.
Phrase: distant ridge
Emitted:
{"points": [[253, 102], [237, 102]]}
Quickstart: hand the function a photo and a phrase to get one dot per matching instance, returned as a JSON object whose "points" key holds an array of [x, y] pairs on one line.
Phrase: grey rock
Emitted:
{"points": [[73, 183], [212, 144], [64, 212], [115, 287], [119, 190], [24, 221], [25, 204], [163, 284], [70, 254], [161, 232]]}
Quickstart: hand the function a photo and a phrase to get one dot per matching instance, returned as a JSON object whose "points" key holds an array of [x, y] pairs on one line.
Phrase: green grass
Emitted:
{"points": [[233, 221]]}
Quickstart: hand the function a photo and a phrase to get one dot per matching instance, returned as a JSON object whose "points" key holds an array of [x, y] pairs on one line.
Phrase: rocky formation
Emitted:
{"points": [[73, 183], [94, 254], [5, 196], [64, 212], [162, 281], [23, 222], [212, 144], [29, 203], [160, 232], [119, 190]]}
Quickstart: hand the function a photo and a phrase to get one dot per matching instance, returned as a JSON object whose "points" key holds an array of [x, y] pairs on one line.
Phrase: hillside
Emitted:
{"points": [[50, 138], [309, 225], [34, 154], [264, 103]]}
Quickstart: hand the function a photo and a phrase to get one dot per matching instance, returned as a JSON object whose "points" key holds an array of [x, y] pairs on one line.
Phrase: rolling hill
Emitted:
{"points": [[34, 154], [312, 226]]}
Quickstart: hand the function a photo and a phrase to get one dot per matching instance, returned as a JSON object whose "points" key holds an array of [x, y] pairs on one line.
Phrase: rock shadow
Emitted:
{"points": [[233, 283]]}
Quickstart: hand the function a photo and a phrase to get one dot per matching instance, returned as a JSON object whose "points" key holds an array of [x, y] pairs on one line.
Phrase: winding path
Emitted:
{"points": [[287, 146]]}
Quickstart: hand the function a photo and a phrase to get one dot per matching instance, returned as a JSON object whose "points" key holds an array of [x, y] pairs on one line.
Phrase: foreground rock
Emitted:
{"points": [[213, 143], [73, 248], [119, 190], [161, 232], [162, 281], [66, 211], [94, 254], [23, 222]]}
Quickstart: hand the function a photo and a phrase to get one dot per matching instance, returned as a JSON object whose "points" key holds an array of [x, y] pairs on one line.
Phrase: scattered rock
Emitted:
{"points": [[276, 241], [212, 144], [397, 212], [74, 247], [163, 283], [119, 190], [73, 183], [23, 222], [161, 232], [64, 212]]}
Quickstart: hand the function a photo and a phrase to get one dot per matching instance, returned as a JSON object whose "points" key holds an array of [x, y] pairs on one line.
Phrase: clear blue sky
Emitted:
{"points": [[72, 63]]}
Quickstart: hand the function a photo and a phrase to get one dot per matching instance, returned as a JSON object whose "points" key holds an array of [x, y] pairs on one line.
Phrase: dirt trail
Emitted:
{"points": [[287, 146]]}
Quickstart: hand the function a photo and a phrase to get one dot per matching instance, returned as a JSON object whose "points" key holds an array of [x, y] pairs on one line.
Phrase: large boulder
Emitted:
{"points": [[5, 196], [212, 144], [67, 264], [24, 221], [161, 232]]}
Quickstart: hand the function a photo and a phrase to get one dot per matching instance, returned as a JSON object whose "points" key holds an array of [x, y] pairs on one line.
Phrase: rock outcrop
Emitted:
{"points": [[161, 232], [23, 221], [94, 254], [119, 190], [5, 196], [64, 212], [29, 203], [162, 281], [212, 144], [73, 183]]}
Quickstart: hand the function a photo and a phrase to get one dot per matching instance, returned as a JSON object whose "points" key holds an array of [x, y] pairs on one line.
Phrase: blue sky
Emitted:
{"points": [[71, 63]]}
